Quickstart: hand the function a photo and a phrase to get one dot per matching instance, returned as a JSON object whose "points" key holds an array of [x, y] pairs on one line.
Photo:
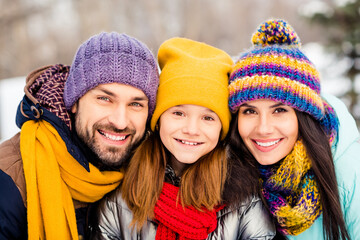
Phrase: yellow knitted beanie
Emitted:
{"points": [[193, 73]]}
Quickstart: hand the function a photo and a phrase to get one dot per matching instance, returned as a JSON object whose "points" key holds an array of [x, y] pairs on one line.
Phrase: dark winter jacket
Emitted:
{"points": [[43, 99]]}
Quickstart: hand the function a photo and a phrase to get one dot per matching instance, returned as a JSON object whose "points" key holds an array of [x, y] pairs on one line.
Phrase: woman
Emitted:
{"points": [[174, 184], [288, 131]]}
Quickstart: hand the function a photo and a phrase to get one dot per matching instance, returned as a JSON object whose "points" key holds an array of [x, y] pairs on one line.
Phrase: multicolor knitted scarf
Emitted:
{"points": [[291, 191], [178, 222]]}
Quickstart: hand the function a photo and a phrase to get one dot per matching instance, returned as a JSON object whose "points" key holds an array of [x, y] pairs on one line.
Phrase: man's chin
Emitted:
{"points": [[113, 160]]}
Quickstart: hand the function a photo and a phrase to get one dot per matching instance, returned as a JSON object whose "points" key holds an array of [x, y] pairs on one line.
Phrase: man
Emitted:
{"points": [[79, 126]]}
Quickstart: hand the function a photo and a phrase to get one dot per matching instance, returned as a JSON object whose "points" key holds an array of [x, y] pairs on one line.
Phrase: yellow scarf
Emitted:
{"points": [[53, 178]]}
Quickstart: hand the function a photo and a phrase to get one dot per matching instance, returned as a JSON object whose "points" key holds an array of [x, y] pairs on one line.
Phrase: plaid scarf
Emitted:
{"points": [[46, 87], [291, 192]]}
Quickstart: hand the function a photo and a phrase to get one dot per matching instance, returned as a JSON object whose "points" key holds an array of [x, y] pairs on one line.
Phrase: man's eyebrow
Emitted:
{"points": [[142, 98], [104, 91], [112, 94]]}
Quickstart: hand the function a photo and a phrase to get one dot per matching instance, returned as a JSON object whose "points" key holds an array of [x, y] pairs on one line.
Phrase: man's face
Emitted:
{"points": [[111, 121]]}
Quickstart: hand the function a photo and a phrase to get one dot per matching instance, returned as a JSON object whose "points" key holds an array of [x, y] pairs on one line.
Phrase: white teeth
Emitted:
{"points": [[114, 138], [189, 143], [267, 144]]}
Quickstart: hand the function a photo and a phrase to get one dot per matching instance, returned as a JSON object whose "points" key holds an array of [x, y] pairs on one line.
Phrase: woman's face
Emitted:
{"points": [[189, 132], [269, 129]]}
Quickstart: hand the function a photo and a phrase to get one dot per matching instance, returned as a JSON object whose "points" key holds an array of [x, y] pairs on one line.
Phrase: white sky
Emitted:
{"points": [[11, 93]]}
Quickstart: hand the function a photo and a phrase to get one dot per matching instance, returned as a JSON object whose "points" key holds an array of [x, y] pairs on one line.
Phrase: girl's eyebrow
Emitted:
{"points": [[207, 109]]}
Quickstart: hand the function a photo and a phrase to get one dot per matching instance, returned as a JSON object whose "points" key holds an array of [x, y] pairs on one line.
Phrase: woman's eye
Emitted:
{"points": [[248, 111], [279, 110]]}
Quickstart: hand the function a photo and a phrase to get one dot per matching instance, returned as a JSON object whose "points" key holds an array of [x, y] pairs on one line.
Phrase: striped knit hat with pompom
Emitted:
{"points": [[276, 69]]}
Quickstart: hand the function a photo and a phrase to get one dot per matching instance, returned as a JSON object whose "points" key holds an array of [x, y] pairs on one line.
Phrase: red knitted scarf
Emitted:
{"points": [[187, 223]]}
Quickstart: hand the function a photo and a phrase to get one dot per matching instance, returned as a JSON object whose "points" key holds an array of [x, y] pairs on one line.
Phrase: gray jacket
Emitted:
{"points": [[248, 221]]}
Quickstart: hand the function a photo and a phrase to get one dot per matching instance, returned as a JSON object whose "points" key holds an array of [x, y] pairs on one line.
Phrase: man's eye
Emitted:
{"points": [[104, 98], [136, 104]]}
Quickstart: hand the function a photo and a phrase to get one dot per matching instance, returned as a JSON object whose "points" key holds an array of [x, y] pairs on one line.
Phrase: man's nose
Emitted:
{"points": [[119, 117]]}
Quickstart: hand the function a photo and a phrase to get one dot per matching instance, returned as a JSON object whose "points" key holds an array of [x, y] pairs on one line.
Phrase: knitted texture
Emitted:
{"points": [[48, 89], [112, 58], [193, 73], [178, 222], [54, 179], [276, 69], [291, 192]]}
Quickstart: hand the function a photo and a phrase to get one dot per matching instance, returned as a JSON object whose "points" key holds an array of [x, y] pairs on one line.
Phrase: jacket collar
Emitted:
{"points": [[44, 100], [348, 131], [171, 177]]}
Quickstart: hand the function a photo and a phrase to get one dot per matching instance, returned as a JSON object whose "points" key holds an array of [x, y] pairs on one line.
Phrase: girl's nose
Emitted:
{"points": [[191, 126]]}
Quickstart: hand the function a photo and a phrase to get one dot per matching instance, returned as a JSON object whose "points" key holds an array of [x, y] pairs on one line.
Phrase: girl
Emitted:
{"points": [[174, 184], [285, 128]]}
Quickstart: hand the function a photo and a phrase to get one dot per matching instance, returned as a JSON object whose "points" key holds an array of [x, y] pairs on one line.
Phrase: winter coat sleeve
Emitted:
{"points": [[13, 222], [348, 174], [347, 166], [107, 223], [255, 222]]}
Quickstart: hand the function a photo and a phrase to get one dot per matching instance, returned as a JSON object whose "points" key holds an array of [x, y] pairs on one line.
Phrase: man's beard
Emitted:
{"points": [[108, 158]]}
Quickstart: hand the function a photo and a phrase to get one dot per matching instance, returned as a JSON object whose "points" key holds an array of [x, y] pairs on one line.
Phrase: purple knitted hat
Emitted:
{"points": [[108, 58]]}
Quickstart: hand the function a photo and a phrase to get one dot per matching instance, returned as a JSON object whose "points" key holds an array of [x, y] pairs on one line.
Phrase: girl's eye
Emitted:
{"points": [[208, 118], [177, 113]]}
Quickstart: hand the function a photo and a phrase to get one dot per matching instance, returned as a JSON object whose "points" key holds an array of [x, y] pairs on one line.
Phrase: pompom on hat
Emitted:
{"points": [[193, 73], [112, 58], [276, 69]]}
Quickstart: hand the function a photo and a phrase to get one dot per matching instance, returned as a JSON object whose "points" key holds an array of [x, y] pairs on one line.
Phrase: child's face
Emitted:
{"points": [[189, 132], [269, 129]]}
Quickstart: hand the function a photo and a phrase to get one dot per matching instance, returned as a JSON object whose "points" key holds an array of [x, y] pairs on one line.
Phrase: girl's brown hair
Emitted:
{"points": [[201, 184]]}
